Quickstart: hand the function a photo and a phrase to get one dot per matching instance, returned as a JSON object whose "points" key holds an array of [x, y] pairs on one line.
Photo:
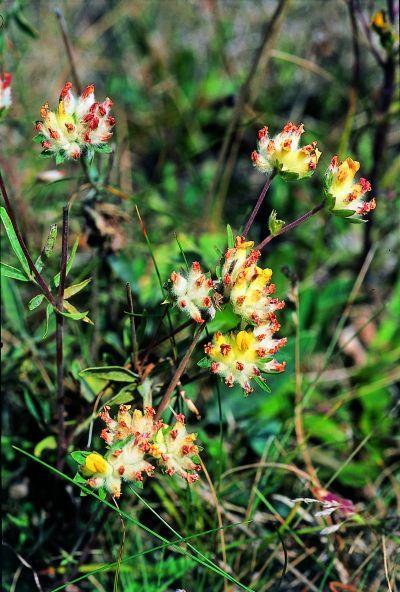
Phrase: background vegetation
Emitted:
{"points": [[185, 77]]}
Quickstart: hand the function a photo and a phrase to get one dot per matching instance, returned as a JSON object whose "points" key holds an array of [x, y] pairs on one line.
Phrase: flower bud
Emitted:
{"points": [[275, 225]]}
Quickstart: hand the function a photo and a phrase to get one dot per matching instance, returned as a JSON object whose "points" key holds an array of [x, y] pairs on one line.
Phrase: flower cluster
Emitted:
{"points": [[78, 124], [5, 92], [283, 155], [192, 292], [243, 356], [135, 440], [247, 285], [240, 357], [345, 197]]}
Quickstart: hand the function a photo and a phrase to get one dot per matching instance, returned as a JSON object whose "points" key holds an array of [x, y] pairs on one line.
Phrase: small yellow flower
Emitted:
{"points": [[378, 20], [95, 464], [283, 155], [345, 196]]}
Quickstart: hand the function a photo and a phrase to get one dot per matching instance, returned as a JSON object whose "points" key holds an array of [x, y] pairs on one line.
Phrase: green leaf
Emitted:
{"points": [[79, 456], [262, 384], [125, 395], [230, 237], [75, 314], [25, 25], [12, 237], [355, 220], [113, 373], [48, 443], [31, 406], [79, 479], [102, 493], [39, 138], [49, 311], [343, 213], [46, 154], [103, 148], [70, 262], [35, 301], [47, 249], [89, 154], [275, 225], [13, 272], [60, 157], [72, 290], [204, 362]]}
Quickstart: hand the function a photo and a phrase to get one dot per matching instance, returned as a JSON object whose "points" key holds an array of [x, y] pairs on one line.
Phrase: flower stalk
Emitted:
{"points": [[60, 341], [292, 225]]}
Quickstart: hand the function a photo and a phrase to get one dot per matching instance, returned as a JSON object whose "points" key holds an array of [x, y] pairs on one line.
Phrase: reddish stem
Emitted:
{"points": [[59, 343], [178, 373], [42, 284], [290, 226], [258, 205]]}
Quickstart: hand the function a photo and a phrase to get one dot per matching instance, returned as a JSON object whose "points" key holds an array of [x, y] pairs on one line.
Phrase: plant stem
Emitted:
{"points": [[135, 356], [179, 371], [59, 343], [68, 47], [258, 204], [292, 225], [42, 284]]}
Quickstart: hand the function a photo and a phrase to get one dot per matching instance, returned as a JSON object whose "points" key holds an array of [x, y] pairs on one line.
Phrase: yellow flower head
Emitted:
{"points": [[283, 154], [345, 196], [240, 357], [78, 124]]}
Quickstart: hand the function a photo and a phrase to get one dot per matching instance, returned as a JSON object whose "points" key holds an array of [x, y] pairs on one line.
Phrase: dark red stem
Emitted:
{"points": [[59, 342], [290, 226], [42, 284], [258, 205]]}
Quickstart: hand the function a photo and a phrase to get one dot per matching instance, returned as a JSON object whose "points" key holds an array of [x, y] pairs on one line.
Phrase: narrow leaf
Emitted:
{"points": [[231, 240], [35, 301], [48, 443], [70, 262], [13, 272], [72, 290], [49, 311], [12, 237], [114, 373], [75, 314], [47, 249]]}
